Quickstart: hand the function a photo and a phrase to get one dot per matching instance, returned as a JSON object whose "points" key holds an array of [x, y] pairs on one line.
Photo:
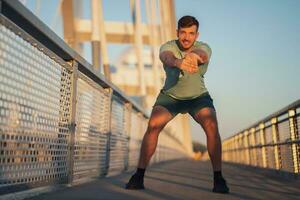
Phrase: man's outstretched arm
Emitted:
{"points": [[188, 64], [202, 56]]}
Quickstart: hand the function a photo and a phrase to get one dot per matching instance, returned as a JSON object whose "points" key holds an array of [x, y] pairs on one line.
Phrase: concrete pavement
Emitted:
{"points": [[183, 180]]}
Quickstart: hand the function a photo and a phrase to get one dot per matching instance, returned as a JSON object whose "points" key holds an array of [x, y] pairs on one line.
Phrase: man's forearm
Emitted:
{"points": [[202, 54], [168, 59]]}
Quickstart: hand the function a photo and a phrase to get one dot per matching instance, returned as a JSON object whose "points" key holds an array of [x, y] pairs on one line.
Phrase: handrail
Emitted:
{"points": [[295, 104]]}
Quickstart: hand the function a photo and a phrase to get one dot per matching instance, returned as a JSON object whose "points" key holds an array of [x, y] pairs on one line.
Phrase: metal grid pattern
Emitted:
{"points": [[259, 157], [268, 135], [284, 131], [92, 127], [34, 114], [118, 138], [287, 158], [253, 160], [270, 157], [257, 137], [135, 138]]}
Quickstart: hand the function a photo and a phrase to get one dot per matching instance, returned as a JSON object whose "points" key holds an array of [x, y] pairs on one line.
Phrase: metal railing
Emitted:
{"points": [[60, 122], [272, 143]]}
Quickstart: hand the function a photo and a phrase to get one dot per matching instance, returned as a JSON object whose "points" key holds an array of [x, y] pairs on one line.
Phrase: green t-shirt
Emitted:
{"points": [[180, 84]]}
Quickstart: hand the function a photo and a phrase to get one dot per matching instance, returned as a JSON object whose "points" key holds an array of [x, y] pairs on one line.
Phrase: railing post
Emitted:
{"points": [[275, 136], [110, 91], [230, 153], [128, 110], [232, 150], [294, 136], [252, 130], [72, 120], [235, 149], [241, 150], [246, 146], [263, 142]]}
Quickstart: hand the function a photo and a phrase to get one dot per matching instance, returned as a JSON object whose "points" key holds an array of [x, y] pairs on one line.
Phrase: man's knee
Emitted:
{"points": [[153, 125], [211, 127]]}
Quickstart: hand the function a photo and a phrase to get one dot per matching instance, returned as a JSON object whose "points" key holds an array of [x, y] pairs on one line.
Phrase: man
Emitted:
{"points": [[185, 62]]}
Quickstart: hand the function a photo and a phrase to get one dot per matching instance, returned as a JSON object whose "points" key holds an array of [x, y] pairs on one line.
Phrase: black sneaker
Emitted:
{"points": [[220, 186], [135, 183]]}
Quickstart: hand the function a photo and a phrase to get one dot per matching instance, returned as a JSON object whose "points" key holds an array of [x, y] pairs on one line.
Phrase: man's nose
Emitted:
{"points": [[188, 37]]}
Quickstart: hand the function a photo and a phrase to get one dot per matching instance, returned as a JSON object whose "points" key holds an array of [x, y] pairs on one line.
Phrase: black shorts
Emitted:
{"points": [[192, 106]]}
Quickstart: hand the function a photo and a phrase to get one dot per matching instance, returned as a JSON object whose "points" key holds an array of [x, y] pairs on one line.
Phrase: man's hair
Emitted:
{"points": [[187, 21]]}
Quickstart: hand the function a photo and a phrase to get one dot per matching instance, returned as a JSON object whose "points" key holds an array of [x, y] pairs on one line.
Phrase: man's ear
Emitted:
{"points": [[177, 33], [198, 34]]}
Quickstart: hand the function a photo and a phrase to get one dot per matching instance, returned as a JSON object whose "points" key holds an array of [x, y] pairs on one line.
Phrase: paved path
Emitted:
{"points": [[183, 180]]}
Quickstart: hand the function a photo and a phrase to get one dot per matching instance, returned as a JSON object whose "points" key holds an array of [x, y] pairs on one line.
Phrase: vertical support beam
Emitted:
{"points": [[252, 130], [99, 38], [162, 22], [95, 36], [172, 18], [263, 142], [69, 23], [139, 45], [151, 10], [275, 136], [72, 120], [96, 55], [246, 146], [68, 18], [294, 136]]}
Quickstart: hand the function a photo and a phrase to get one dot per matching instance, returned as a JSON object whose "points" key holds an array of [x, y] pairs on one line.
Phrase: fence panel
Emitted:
{"points": [[118, 138], [273, 142], [92, 127], [34, 115]]}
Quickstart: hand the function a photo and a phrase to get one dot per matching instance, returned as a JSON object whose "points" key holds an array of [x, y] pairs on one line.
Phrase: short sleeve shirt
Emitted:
{"points": [[179, 83]]}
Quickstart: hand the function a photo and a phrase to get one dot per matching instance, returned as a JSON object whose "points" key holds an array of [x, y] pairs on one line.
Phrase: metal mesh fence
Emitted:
{"points": [[57, 127], [275, 147], [284, 131], [287, 158], [118, 138], [270, 157], [268, 135], [136, 135], [91, 136], [34, 114]]}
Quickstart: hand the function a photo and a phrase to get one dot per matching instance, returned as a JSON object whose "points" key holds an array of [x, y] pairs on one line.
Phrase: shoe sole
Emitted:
{"points": [[221, 192], [134, 187]]}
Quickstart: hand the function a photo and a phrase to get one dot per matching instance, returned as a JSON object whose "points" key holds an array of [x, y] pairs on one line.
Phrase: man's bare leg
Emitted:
{"points": [[159, 118], [207, 118]]}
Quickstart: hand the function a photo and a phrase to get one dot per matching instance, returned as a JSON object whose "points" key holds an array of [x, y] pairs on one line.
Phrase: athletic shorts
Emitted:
{"points": [[192, 106]]}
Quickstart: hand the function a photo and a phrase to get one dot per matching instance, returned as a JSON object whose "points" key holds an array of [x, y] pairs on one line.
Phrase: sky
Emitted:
{"points": [[255, 67]]}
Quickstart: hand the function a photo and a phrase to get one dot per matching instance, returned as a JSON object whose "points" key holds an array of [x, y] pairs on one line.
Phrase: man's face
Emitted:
{"points": [[187, 36]]}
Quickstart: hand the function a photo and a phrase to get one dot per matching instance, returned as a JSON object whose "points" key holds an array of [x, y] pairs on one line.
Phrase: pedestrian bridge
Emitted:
{"points": [[67, 132]]}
